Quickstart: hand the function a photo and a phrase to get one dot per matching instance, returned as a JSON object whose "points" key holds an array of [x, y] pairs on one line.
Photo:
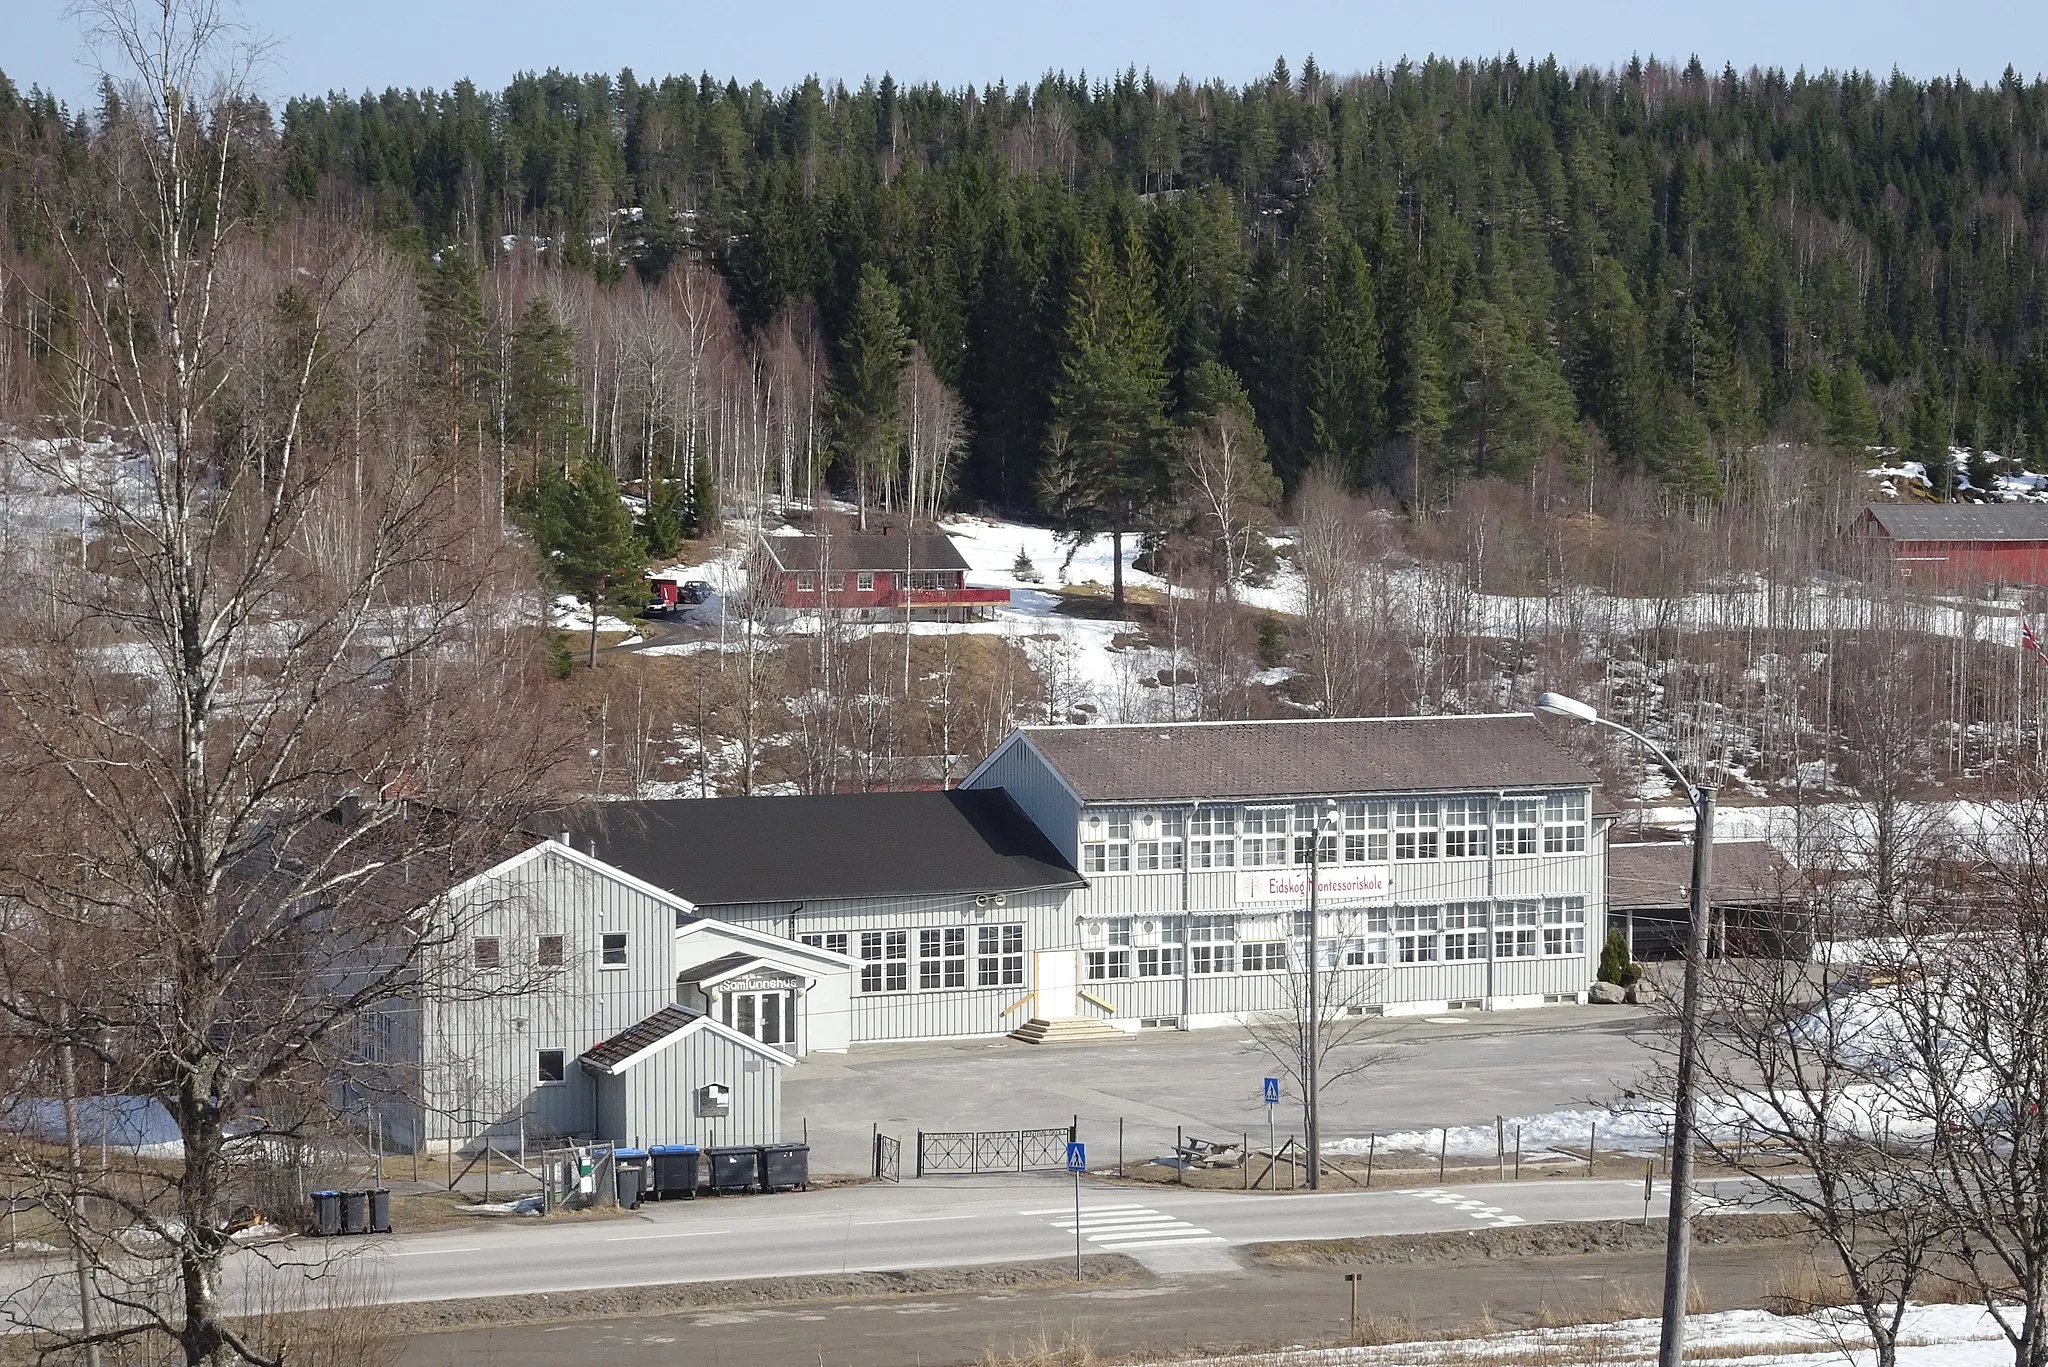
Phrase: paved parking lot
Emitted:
{"points": [[1207, 1081]]}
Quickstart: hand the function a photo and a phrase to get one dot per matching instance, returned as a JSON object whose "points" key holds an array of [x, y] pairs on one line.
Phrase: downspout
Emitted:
{"points": [[1187, 905], [1492, 850]]}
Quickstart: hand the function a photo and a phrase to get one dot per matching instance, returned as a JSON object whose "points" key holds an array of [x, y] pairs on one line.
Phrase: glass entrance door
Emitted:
{"points": [[769, 1017]]}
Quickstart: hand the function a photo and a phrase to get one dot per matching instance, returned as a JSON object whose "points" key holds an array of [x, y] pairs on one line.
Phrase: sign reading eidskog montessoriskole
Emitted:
{"points": [[1337, 886]]}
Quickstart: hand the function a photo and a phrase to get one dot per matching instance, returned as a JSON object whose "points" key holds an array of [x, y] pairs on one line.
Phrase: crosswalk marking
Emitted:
{"points": [[1137, 1227], [1473, 1206]]}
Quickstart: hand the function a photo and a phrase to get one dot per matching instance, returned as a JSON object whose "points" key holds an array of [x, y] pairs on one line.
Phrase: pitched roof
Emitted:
{"points": [[1747, 872], [1962, 521], [772, 849], [865, 551], [1307, 758], [634, 1043]]}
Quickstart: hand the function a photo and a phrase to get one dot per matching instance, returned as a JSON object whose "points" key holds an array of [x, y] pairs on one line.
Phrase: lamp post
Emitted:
{"points": [[1311, 1087], [1678, 1225]]}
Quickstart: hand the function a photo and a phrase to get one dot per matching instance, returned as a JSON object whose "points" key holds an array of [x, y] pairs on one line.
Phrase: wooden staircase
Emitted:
{"points": [[1067, 1030]]}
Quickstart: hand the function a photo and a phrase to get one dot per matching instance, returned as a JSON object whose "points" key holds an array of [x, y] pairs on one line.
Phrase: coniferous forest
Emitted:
{"points": [[1411, 278]]}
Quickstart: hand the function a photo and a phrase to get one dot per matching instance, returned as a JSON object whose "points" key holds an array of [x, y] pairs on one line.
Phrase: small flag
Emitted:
{"points": [[2029, 641]]}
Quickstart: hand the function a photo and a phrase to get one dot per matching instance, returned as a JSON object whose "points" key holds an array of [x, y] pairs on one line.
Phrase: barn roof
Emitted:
{"points": [[856, 551], [1962, 521]]}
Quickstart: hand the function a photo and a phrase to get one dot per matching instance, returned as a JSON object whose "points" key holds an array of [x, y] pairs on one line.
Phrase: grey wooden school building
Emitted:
{"points": [[1129, 877]]}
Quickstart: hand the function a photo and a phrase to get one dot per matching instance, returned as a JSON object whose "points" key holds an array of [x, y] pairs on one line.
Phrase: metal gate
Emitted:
{"points": [[990, 1150], [888, 1158]]}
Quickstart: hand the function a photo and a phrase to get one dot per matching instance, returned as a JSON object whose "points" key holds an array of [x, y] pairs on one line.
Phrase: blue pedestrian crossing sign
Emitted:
{"points": [[1272, 1091], [1077, 1158]]}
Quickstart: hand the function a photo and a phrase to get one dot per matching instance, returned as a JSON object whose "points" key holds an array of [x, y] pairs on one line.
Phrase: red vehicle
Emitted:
{"points": [[873, 573]]}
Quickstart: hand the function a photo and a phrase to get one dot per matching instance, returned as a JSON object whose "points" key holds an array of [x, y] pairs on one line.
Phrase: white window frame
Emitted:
{"points": [[1418, 934], [561, 1069], [999, 955], [1212, 838], [864, 581], [1161, 961], [1106, 842], [1417, 833], [1308, 826], [1266, 842], [487, 953], [832, 941], [612, 957], [1467, 824], [1564, 823], [1158, 845], [1106, 965], [1263, 956], [884, 963], [1518, 825], [1564, 927], [941, 958], [1465, 931], [806, 582], [1365, 832], [1516, 928]]}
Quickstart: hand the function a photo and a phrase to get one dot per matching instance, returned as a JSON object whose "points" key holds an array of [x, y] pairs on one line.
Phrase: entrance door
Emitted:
{"points": [[769, 1017], [1056, 981]]}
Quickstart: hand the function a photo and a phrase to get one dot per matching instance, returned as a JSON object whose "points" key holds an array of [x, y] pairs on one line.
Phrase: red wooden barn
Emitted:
{"points": [[874, 573], [1962, 543]]}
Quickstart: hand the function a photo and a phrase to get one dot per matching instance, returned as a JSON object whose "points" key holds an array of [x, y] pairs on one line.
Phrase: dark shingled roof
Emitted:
{"points": [[720, 850], [865, 551], [1962, 521], [699, 972], [1223, 760], [1745, 873], [634, 1038]]}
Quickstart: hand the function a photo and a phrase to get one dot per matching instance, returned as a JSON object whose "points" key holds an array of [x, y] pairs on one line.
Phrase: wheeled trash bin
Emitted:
{"points": [[674, 1170], [734, 1169], [327, 1212], [629, 1167], [785, 1167]]}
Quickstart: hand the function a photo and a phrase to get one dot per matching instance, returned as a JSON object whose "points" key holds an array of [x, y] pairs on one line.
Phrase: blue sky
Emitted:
{"points": [[357, 44]]}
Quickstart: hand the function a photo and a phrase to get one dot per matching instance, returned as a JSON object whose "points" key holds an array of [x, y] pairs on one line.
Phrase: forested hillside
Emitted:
{"points": [[1419, 276]]}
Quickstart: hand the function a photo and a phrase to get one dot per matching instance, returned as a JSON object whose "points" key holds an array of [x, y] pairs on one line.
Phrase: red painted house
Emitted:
{"points": [[874, 572], [1962, 543]]}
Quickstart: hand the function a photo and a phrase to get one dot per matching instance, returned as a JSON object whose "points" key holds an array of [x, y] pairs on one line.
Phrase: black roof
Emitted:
{"points": [[634, 1038], [1962, 521], [844, 551], [721, 850]]}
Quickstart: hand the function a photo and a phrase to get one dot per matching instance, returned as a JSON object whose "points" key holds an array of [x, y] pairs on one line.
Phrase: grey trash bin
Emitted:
{"points": [[785, 1167], [380, 1211], [630, 1168], [327, 1212], [355, 1212], [734, 1169], [675, 1170]]}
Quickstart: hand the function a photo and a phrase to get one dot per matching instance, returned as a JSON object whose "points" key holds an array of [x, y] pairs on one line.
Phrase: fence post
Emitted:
{"points": [[1244, 1160], [1372, 1144], [1119, 1146], [1443, 1148], [920, 1153], [1593, 1149], [1518, 1153], [1500, 1149]]}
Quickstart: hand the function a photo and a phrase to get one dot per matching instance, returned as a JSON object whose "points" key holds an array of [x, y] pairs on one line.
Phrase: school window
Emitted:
{"points": [[1516, 833], [612, 950], [885, 961], [1415, 830], [1101, 965], [1106, 843], [1118, 931], [550, 1066], [1162, 962], [833, 941], [1365, 832], [942, 957], [805, 583], [1514, 929], [1364, 951], [864, 581], [1001, 956], [1564, 925], [1310, 820], [548, 951], [1464, 931], [835, 583], [1158, 846], [1211, 946], [1564, 823], [1265, 842], [1267, 956], [1213, 958], [1415, 934], [484, 951], [1465, 828], [1212, 838]]}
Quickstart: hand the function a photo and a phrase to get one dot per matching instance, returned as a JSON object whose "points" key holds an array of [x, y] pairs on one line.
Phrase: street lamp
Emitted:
{"points": [[1678, 1226], [1325, 815]]}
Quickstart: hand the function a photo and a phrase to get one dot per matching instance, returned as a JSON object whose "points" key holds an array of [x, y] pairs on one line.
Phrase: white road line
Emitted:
{"points": [[1167, 1243], [1136, 1236], [679, 1234], [1085, 1210], [430, 1252], [915, 1220], [1119, 1220]]}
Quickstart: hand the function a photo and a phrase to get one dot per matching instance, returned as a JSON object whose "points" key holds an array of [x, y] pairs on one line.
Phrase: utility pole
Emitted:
{"points": [[1313, 1035]]}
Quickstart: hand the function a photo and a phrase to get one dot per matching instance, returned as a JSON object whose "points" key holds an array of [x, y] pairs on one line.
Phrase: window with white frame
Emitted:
{"points": [[1264, 956], [999, 956], [1212, 944], [1515, 831], [1101, 965], [485, 952], [1106, 843], [551, 1067], [835, 583], [1157, 846], [1415, 829], [1365, 832], [1212, 838], [1265, 843], [1464, 931], [1465, 827], [1564, 823], [1365, 951], [1310, 820], [832, 940], [804, 582], [1514, 929], [1564, 925], [864, 581], [612, 950], [1161, 961], [1415, 933], [942, 957], [885, 961]]}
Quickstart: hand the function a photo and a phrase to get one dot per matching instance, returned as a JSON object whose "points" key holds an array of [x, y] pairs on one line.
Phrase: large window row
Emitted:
{"points": [[1452, 932], [1274, 835], [935, 960]]}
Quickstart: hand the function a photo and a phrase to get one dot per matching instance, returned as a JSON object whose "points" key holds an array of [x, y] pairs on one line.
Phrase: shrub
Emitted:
{"points": [[1614, 961]]}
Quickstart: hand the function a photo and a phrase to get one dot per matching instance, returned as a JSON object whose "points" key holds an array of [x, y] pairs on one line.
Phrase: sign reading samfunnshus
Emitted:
{"points": [[1336, 887]]}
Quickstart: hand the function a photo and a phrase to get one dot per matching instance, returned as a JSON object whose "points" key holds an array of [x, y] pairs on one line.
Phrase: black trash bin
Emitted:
{"points": [[674, 1170], [734, 1169], [355, 1212], [785, 1167], [327, 1212], [380, 1211], [629, 1168]]}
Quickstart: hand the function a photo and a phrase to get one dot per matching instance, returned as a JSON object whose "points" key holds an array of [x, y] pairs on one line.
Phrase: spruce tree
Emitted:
{"points": [[591, 548], [543, 403], [1346, 376], [1927, 442], [866, 422], [456, 355], [1852, 419]]}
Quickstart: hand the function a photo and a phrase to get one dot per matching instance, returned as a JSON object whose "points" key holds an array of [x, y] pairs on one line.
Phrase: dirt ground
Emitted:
{"points": [[1284, 1294]]}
